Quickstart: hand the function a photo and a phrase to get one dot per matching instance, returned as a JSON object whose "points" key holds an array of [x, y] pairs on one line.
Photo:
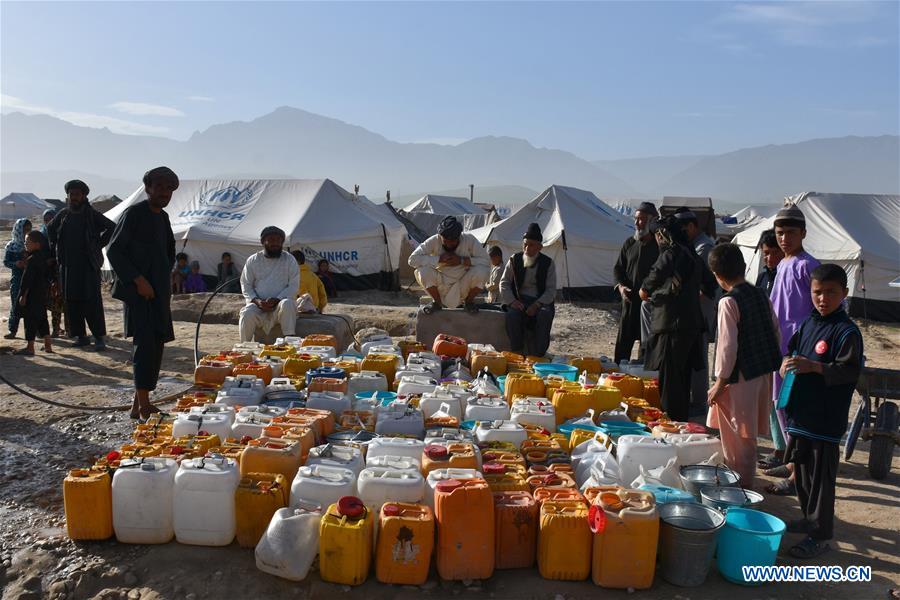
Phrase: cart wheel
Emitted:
{"points": [[859, 421], [881, 452]]}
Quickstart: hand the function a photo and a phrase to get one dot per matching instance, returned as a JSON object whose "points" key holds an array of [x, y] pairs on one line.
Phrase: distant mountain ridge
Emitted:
{"points": [[40, 152]]}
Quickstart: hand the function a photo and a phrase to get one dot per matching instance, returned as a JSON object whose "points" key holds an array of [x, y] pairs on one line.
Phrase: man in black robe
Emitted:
{"points": [[637, 256], [142, 252], [78, 234]]}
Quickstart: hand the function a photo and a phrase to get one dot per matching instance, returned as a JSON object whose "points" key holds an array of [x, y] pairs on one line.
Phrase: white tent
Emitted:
{"points": [[582, 234], [859, 232], [750, 215], [319, 217], [19, 205], [428, 211]]}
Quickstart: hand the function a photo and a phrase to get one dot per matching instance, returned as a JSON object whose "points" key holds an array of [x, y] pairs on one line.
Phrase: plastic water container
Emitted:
{"points": [[345, 542], [367, 381], [564, 541], [250, 382], [568, 372], [637, 370], [251, 424], [192, 424], [749, 538], [398, 463], [204, 501], [330, 455], [387, 348], [625, 538], [272, 455], [256, 499], [438, 475], [400, 420], [464, 512], [516, 527], [366, 346], [539, 415], [250, 347], [500, 431], [378, 485], [334, 402], [276, 363], [405, 543], [87, 496], [416, 384], [291, 542], [487, 409], [320, 351], [214, 409], [395, 446], [326, 372], [448, 434], [430, 403], [422, 363], [695, 448], [665, 494], [634, 451], [373, 399], [322, 485], [142, 491]]}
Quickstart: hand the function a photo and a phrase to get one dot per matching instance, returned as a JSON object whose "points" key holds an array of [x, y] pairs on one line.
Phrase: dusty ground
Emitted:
{"points": [[39, 443]]}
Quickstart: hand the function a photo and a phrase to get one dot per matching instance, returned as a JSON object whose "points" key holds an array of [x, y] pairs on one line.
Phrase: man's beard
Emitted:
{"points": [[76, 207], [274, 253], [641, 233], [529, 261]]}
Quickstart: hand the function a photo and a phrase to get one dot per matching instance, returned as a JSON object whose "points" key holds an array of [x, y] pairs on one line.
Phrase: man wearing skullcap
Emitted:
{"points": [[636, 257], [269, 281], [142, 252], [452, 266], [77, 235], [528, 293]]}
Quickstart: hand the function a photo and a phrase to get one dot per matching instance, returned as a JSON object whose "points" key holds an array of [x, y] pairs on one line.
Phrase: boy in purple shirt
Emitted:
{"points": [[792, 304]]}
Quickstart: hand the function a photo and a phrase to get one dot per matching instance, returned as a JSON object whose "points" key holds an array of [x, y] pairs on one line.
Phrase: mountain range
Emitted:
{"points": [[40, 152]]}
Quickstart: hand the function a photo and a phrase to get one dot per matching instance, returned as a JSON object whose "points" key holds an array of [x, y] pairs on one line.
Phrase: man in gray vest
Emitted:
{"points": [[528, 293]]}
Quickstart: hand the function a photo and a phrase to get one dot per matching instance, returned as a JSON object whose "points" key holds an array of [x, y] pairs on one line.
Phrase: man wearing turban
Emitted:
{"points": [[528, 293], [269, 281], [452, 266]]}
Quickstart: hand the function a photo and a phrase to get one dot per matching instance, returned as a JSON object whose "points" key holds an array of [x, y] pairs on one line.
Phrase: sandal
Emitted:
{"points": [[782, 471], [809, 548], [785, 487], [432, 307], [770, 461], [23, 352]]}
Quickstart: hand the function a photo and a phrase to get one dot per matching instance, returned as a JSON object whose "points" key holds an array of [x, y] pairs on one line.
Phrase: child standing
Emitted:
{"points": [[747, 353], [792, 305], [180, 273], [14, 260], [829, 359], [194, 283], [492, 286], [34, 291]]}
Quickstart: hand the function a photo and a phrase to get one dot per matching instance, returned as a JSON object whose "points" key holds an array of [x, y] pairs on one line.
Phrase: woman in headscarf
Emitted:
{"points": [[14, 260]]}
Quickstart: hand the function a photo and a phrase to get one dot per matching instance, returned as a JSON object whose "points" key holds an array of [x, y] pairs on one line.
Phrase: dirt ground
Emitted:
{"points": [[39, 443]]}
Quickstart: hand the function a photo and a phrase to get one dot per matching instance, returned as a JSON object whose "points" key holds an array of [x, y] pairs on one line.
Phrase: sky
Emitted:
{"points": [[603, 80]]}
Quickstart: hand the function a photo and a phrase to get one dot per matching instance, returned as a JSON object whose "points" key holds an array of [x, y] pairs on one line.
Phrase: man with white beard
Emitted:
{"points": [[528, 293], [637, 256]]}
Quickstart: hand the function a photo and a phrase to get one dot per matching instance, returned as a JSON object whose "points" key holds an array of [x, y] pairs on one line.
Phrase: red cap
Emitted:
{"points": [[596, 518], [493, 468], [436, 451], [351, 506], [111, 456], [448, 485], [390, 510]]}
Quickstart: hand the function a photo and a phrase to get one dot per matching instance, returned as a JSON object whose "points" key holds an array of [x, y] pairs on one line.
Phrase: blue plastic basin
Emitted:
{"points": [[749, 538]]}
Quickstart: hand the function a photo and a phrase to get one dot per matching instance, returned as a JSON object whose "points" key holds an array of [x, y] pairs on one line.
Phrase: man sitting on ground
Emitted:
{"points": [[269, 282], [451, 266], [528, 292]]}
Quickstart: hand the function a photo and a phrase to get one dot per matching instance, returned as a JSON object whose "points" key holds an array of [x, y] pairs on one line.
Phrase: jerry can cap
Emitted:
{"points": [[351, 506], [596, 518], [448, 485], [436, 451], [390, 510], [493, 468]]}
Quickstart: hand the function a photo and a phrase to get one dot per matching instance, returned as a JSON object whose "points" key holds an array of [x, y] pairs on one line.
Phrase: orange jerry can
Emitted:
{"points": [[493, 361], [257, 369], [405, 543], [624, 553], [271, 455], [551, 479], [504, 478], [450, 345], [651, 393], [386, 364], [629, 385], [212, 371], [87, 497], [345, 542], [464, 512], [327, 384], [232, 451], [450, 456], [407, 347], [560, 494], [516, 520], [587, 363], [306, 437], [256, 499], [564, 541], [323, 419], [522, 384], [320, 339]]}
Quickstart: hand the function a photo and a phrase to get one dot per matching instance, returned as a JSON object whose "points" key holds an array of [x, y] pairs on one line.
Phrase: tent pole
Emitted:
{"points": [[566, 256], [387, 251]]}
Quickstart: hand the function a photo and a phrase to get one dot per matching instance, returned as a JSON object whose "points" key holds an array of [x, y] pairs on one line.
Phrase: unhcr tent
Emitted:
{"points": [[319, 217], [750, 215], [582, 234], [105, 203], [428, 211], [19, 205], [859, 232]]}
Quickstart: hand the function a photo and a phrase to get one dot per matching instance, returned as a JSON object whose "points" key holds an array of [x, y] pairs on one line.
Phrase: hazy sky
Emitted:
{"points": [[603, 80]]}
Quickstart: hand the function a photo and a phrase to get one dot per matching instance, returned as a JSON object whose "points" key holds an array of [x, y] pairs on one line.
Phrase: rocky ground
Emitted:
{"points": [[39, 443]]}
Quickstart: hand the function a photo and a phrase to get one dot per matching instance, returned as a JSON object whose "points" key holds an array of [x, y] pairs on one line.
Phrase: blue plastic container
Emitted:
{"points": [[468, 425], [749, 538], [665, 494], [332, 372], [567, 428], [628, 426], [383, 398], [567, 371], [501, 383]]}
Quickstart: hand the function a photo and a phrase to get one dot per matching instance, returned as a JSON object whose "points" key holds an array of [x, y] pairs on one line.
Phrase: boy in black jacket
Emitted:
{"points": [[829, 356], [34, 291]]}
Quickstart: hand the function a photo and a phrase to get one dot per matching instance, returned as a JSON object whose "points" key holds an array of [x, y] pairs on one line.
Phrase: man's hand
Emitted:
{"points": [[712, 396], [624, 291], [801, 365], [449, 258], [644, 295], [533, 309], [516, 304], [144, 289]]}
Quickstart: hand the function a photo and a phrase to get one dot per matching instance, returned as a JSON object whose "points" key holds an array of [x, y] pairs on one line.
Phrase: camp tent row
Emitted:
{"points": [[361, 240], [21, 205], [582, 234], [428, 211], [859, 232]]}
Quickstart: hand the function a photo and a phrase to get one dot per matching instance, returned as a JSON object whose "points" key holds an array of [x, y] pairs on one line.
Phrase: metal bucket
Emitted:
{"points": [[687, 541], [723, 498], [695, 477]]}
